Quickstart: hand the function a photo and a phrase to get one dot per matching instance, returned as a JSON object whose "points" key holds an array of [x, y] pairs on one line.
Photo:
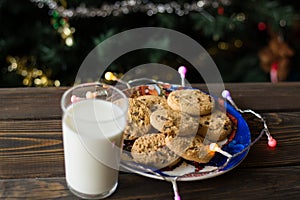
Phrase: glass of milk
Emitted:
{"points": [[94, 117]]}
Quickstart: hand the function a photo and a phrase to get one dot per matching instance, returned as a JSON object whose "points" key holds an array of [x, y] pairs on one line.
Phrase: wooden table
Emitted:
{"points": [[32, 160]]}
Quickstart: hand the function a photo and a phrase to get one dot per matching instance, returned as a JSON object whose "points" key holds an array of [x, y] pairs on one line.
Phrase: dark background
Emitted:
{"points": [[33, 51]]}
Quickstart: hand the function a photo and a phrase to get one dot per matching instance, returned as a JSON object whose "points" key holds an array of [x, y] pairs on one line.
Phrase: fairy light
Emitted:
{"points": [[26, 82], [271, 141], [282, 23], [200, 4], [241, 17], [215, 148], [69, 41], [56, 83], [110, 76], [129, 6], [90, 95], [32, 75], [13, 63], [182, 71], [223, 45], [66, 31], [60, 13], [261, 26], [238, 43], [37, 81]]}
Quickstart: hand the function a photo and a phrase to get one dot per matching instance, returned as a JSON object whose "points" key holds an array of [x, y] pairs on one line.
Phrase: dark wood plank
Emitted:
{"points": [[267, 97], [34, 148], [34, 126], [264, 97], [30, 103], [284, 127], [239, 184], [31, 149], [265, 183], [46, 188], [32, 160], [44, 103]]}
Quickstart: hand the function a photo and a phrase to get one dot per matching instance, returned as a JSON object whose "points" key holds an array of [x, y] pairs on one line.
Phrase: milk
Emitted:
{"points": [[92, 135]]}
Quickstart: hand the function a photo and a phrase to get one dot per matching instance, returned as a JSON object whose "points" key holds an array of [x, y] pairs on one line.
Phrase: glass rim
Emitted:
{"points": [[82, 85]]}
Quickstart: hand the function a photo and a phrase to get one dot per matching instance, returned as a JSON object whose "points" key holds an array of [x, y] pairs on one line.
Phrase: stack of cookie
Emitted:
{"points": [[181, 125]]}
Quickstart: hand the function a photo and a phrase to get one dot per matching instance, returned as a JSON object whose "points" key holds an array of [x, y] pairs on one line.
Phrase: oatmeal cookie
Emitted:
{"points": [[191, 101], [215, 126], [191, 148], [138, 120], [174, 122], [151, 150]]}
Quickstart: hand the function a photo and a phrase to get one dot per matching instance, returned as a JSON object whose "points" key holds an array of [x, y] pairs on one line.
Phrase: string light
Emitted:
{"points": [[238, 43], [110, 76], [131, 6], [241, 17], [223, 45], [61, 14], [31, 74], [282, 23], [69, 41], [262, 26], [63, 27]]}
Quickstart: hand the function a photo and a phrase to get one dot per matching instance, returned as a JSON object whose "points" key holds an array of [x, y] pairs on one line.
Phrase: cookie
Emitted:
{"points": [[138, 120], [154, 102], [174, 122], [215, 127], [191, 101], [190, 148], [151, 150]]}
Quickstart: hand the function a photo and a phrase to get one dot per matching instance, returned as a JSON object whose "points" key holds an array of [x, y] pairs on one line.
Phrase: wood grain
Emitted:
{"points": [[32, 160], [30, 103], [44, 103], [265, 183], [265, 97]]}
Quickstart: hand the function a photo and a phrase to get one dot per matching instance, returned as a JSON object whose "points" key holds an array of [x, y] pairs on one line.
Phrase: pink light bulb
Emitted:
{"points": [[74, 99], [182, 71], [272, 142], [226, 94]]}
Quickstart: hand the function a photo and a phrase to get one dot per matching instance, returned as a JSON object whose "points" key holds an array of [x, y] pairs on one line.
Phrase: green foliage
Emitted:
{"points": [[27, 30], [273, 13]]}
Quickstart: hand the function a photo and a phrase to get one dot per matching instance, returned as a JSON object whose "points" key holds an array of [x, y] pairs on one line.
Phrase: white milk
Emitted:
{"points": [[92, 137]]}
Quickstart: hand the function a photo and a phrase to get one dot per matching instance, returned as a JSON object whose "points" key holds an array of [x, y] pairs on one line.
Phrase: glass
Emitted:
{"points": [[94, 117]]}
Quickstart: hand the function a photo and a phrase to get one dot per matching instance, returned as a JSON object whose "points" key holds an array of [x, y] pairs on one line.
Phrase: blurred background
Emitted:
{"points": [[43, 42]]}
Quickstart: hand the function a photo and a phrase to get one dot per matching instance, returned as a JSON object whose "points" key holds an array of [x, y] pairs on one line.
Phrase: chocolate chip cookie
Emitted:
{"points": [[151, 150], [215, 126], [190, 148], [138, 120], [174, 122], [191, 101]]}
